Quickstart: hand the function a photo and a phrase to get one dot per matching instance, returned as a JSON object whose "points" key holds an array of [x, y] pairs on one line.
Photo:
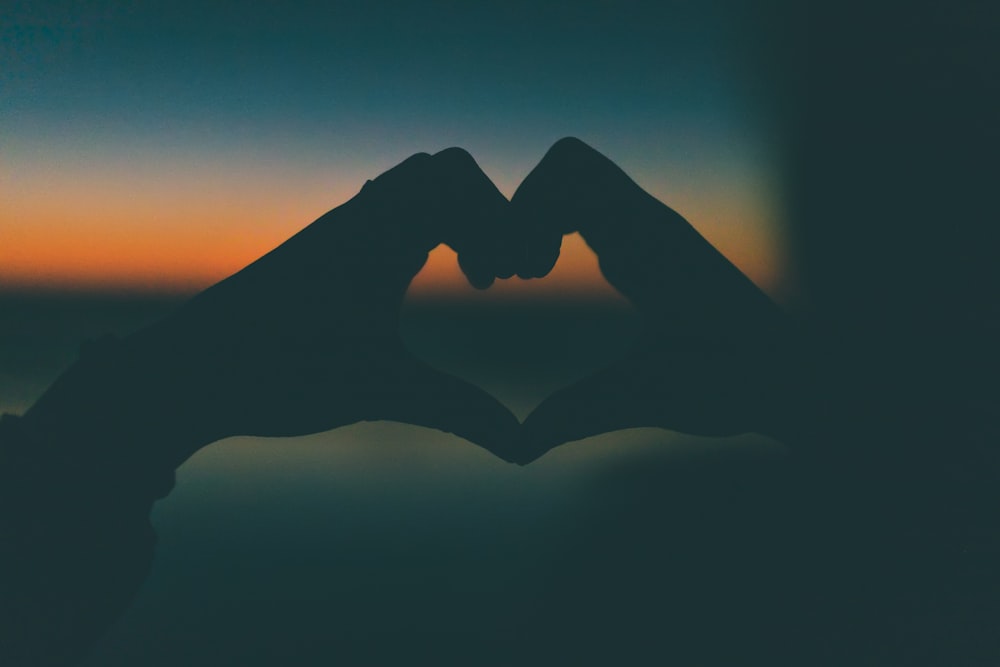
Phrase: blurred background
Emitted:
{"points": [[841, 155]]}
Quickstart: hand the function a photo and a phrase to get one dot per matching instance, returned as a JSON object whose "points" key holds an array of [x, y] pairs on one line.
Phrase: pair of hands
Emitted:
{"points": [[306, 339]]}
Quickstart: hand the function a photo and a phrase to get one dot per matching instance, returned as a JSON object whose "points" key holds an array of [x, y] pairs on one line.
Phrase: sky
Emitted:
{"points": [[161, 146]]}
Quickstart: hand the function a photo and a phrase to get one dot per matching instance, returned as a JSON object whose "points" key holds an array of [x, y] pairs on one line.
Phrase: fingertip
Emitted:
{"points": [[525, 456], [557, 421], [447, 403], [506, 272], [482, 284], [490, 258], [478, 269], [604, 402], [539, 255]]}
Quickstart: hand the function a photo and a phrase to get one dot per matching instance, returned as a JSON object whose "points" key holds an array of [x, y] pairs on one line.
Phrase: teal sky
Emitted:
{"points": [[287, 109]]}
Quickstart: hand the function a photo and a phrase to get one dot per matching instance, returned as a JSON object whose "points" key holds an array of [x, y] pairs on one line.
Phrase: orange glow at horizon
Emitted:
{"points": [[576, 275], [178, 228], [157, 232]]}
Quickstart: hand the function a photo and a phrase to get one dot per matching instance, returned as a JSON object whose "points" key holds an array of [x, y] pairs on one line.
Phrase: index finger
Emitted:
{"points": [[647, 251]]}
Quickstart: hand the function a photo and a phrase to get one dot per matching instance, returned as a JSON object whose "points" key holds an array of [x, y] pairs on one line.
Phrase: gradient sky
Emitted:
{"points": [[163, 146]]}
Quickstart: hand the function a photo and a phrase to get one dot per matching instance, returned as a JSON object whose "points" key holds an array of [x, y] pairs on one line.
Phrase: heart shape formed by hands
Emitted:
{"points": [[306, 339]]}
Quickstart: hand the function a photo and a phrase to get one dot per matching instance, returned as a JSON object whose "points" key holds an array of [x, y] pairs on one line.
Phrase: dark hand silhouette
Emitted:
{"points": [[711, 361], [303, 340], [306, 338]]}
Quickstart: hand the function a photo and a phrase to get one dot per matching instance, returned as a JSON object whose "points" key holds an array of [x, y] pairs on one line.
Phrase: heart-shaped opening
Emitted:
{"points": [[520, 340]]}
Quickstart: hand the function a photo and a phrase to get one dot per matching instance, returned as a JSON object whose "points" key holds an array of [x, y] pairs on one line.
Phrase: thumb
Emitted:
{"points": [[680, 390], [607, 401], [420, 395]]}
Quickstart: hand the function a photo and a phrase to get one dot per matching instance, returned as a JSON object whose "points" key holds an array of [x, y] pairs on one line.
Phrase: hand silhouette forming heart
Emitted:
{"points": [[306, 339]]}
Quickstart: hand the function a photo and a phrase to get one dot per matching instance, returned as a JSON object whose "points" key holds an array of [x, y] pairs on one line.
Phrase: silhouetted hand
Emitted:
{"points": [[303, 340], [711, 360]]}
